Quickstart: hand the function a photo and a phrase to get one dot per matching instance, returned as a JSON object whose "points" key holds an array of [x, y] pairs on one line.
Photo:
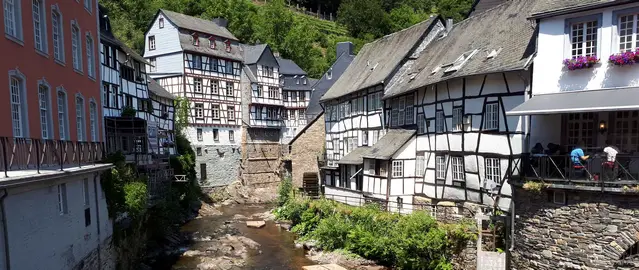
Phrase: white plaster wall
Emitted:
{"points": [[207, 135], [41, 238], [166, 39], [552, 44], [167, 64], [344, 196]]}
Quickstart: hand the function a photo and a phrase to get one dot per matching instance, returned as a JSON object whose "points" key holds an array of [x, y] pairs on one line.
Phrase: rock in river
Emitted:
{"points": [[256, 224]]}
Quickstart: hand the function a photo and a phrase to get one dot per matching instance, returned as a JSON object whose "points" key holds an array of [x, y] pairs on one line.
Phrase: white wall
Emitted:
{"points": [[167, 64], [550, 76], [207, 135], [166, 39]]}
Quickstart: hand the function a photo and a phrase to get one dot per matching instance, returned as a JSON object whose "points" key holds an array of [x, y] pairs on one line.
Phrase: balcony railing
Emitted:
{"points": [[36, 154], [595, 172]]}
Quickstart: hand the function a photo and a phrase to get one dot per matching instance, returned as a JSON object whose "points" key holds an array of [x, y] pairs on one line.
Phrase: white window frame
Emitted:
{"points": [[215, 87], [458, 119], [63, 115], [581, 26], [197, 85], [39, 26], [493, 169], [88, 6], [12, 13], [420, 164], [76, 46], [153, 64], [440, 122], [398, 168], [199, 134], [62, 199], [421, 124], [79, 118], [216, 135], [161, 23], [57, 26], [215, 111], [17, 97], [230, 90], [90, 55], [457, 164], [561, 199], [93, 120], [44, 104], [230, 110], [401, 103], [440, 167], [199, 110], [231, 135], [491, 116], [151, 41]]}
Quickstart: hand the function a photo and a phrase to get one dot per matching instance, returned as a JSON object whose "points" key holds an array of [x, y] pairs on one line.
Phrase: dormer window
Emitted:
{"points": [[212, 43], [304, 80], [196, 39], [297, 79], [329, 74], [161, 23], [228, 45], [461, 60]]}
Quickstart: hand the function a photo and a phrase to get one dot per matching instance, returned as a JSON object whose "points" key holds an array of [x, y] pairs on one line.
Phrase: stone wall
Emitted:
{"points": [[306, 149], [222, 164], [261, 160], [587, 230], [102, 258]]}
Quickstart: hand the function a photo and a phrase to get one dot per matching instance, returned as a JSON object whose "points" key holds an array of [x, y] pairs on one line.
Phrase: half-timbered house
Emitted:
{"points": [[163, 117], [466, 149], [296, 92], [201, 61], [354, 113]]}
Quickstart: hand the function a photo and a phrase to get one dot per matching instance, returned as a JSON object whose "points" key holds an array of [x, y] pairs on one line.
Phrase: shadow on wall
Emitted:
{"points": [[620, 76], [575, 80]]}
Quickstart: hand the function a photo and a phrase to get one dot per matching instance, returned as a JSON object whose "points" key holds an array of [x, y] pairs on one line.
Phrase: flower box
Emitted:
{"points": [[581, 62], [624, 59]]}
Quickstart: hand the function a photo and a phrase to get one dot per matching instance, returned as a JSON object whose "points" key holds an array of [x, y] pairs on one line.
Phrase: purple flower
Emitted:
{"points": [[580, 62], [623, 59]]}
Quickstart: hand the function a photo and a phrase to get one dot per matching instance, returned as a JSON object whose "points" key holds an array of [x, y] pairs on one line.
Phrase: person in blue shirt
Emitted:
{"points": [[578, 157]]}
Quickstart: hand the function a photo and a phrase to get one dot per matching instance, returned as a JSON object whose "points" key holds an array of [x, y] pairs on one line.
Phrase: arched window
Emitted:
{"points": [[18, 104]]}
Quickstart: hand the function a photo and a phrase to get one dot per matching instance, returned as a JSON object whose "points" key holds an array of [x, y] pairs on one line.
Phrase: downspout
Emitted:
{"points": [[512, 225], [97, 216], [5, 231]]}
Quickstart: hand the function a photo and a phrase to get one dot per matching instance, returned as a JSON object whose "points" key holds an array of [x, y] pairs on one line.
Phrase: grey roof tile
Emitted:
{"points": [[323, 84], [252, 53], [484, 5], [157, 89], [388, 145], [558, 7], [377, 60], [289, 67], [356, 156], [504, 26], [186, 41], [197, 24], [249, 73]]}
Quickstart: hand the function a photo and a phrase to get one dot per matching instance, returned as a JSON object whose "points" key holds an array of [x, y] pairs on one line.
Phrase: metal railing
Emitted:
{"points": [[36, 154], [596, 171]]}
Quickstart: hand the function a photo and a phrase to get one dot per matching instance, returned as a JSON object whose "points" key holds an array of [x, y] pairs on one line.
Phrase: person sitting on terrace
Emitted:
{"points": [[610, 166], [611, 152], [577, 156]]}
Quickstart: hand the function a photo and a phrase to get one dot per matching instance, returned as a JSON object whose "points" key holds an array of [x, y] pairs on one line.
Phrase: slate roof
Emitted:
{"points": [[548, 8], [392, 141], [482, 5], [186, 41], [504, 26], [323, 84], [158, 90], [249, 73], [252, 53], [197, 24], [376, 61], [289, 67], [356, 156]]}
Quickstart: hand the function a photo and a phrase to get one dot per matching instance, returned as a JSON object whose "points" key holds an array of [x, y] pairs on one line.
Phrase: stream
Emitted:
{"points": [[276, 248]]}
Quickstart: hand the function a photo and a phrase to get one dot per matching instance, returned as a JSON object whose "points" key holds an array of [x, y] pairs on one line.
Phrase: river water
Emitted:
{"points": [[277, 249]]}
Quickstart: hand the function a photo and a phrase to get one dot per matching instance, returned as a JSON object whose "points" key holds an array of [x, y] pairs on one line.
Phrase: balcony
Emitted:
{"points": [[296, 104], [267, 101], [596, 174], [37, 155], [266, 123]]}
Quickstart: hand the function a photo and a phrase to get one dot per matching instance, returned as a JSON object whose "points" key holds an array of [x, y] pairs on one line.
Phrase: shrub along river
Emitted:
{"points": [[220, 239]]}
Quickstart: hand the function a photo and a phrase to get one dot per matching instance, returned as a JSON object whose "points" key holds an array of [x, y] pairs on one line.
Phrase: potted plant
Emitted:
{"points": [[128, 111], [581, 62], [624, 58]]}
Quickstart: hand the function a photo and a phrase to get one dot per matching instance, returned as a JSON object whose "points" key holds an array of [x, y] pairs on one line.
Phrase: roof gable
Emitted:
{"points": [[195, 24], [549, 8]]}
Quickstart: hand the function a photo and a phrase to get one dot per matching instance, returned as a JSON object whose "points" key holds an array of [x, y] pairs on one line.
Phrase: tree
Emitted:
{"points": [[274, 23], [363, 17], [455, 9], [405, 16]]}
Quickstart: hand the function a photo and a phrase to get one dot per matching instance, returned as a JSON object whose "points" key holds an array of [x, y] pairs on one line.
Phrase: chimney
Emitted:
{"points": [[221, 22], [276, 54], [449, 25], [344, 47]]}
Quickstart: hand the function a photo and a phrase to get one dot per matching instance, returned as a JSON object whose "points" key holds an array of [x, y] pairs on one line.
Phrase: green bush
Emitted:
{"points": [[331, 232], [284, 191], [135, 198]]}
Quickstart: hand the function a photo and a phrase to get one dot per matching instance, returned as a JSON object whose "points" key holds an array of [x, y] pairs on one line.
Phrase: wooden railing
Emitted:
{"points": [[36, 154]]}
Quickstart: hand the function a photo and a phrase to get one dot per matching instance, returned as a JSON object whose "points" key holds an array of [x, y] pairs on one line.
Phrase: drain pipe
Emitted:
{"points": [[512, 224], [5, 230], [97, 217]]}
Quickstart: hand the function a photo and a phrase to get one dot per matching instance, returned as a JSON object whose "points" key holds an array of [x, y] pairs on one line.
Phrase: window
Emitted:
{"points": [[273, 92], [267, 72], [197, 85], [364, 138], [62, 199], [374, 137], [79, 118], [457, 164], [87, 4], [583, 38], [85, 192], [39, 26], [228, 46], [229, 89], [421, 124], [153, 64], [558, 197], [420, 164], [212, 43], [151, 43], [215, 84], [581, 127], [90, 57], [76, 49], [398, 168], [491, 116], [198, 151], [58, 38], [382, 168], [128, 100], [197, 61], [215, 111], [231, 112], [231, 135], [12, 22], [161, 23], [216, 135], [457, 119], [440, 122], [371, 167], [18, 105], [199, 110], [329, 74], [625, 130], [628, 33], [493, 172], [43, 95], [440, 167], [93, 124], [203, 171], [402, 107], [199, 135], [409, 110], [114, 96], [62, 115]]}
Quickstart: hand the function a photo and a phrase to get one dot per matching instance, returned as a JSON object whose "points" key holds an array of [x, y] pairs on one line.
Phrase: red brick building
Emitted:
{"points": [[50, 87]]}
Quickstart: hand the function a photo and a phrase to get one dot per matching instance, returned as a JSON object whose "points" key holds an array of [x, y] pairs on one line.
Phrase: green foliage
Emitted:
{"points": [[124, 190], [182, 112], [534, 186], [414, 241], [364, 18], [284, 191], [128, 111], [135, 198]]}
